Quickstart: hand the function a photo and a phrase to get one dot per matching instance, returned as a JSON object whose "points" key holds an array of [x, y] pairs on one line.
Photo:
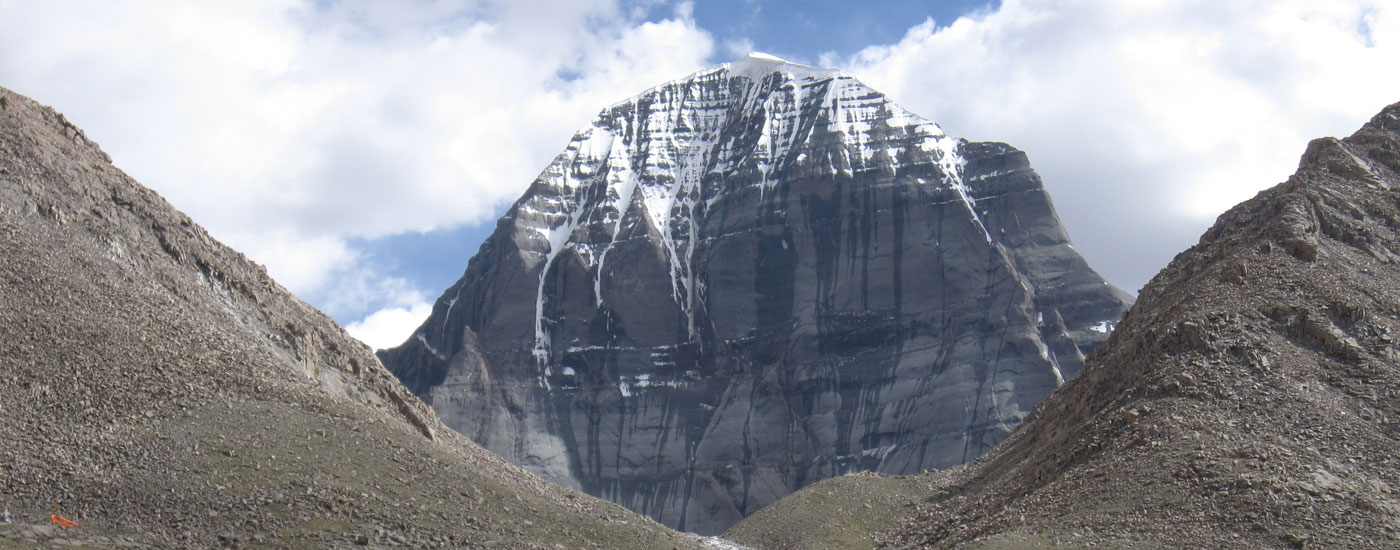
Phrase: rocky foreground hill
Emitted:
{"points": [[751, 279], [1250, 398], [161, 390]]}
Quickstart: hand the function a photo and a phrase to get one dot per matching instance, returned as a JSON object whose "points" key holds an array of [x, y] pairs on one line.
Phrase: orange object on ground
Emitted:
{"points": [[64, 521]]}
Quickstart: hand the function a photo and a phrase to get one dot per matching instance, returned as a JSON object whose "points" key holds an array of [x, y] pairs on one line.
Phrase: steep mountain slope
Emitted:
{"points": [[753, 278], [160, 389], [1250, 398]]}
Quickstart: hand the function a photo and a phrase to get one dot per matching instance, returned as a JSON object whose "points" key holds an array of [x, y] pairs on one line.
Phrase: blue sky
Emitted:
{"points": [[804, 31], [362, 149]]}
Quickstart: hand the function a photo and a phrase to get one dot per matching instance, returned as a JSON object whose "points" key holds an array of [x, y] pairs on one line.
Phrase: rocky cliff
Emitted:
{"points": [[1249, 399], [751, 279], [162, 391]]}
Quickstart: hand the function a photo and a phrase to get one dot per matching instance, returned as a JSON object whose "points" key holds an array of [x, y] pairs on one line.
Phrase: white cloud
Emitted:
{"points": [[288, 127], [387, 308], [305, 263], [1147, 119], [738, 48], [389, 327], [363, 287]]}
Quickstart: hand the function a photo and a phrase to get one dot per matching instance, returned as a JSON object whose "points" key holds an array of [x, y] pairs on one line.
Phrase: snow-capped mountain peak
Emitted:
{"points": [[657, 158], [752, 278]]}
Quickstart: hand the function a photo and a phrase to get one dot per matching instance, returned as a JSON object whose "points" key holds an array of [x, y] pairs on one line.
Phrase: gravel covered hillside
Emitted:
{"points": [[161, 390]]}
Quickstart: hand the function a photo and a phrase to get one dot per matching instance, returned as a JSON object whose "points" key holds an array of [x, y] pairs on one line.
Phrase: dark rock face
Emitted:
{"points": [[758, 277]]}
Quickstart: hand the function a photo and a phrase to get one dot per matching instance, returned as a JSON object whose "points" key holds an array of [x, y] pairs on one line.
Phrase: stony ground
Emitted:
{"points": [[843, 513], [163, 391], [1250, 398]]}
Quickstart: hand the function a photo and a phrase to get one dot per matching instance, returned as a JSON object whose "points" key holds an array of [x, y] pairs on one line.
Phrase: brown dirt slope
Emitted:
{"points": [[1250, 398], [841, 513], [162, 390]]}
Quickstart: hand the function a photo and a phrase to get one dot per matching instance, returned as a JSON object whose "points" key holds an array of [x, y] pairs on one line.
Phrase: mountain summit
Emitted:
{"points": [[753, 278]]}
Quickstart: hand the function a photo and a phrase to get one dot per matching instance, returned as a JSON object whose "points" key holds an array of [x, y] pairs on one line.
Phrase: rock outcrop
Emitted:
{"points": [[162, 391], [751, 279], [1249, 399]]}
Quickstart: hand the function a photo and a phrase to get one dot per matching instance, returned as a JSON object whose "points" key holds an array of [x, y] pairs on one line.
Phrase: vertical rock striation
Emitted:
{"points": [[759, 276]]}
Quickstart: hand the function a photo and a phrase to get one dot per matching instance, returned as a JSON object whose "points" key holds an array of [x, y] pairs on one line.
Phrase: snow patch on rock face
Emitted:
{"points": [[440, 355], [1103, 327], [562, 213], [1048, 355]]}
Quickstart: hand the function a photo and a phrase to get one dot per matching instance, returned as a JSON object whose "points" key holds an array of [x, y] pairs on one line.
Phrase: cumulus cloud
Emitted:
{"points": [[388, 308], [1147, 119], [290, 127], [389, 327]]}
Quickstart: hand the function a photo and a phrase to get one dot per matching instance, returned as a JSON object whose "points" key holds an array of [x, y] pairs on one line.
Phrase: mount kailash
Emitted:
{"points": [[751, 279]]}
